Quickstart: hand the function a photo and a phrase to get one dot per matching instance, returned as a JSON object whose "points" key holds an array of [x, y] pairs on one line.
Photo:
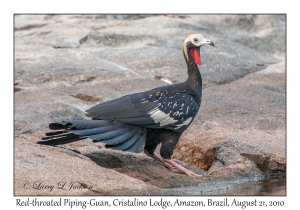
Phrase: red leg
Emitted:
{"points": [[182, 169], [171, 164], [159, 159]]}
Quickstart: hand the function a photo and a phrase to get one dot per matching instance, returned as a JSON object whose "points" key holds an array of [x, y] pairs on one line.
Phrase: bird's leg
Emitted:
{"points": [[169, 142], [159, 159], [181, 168], [171, 164]]}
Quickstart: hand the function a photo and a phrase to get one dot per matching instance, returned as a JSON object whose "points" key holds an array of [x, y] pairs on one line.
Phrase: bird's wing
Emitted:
{"points": [[164, 107], [126, 109]]}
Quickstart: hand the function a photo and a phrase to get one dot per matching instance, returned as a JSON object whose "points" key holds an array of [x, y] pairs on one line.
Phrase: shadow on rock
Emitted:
{"points": [[144, 168]]}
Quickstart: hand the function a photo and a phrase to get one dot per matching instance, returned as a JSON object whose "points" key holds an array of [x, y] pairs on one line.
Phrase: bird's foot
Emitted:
{"points": [[159, 160], [172, 165], [181, 168]]}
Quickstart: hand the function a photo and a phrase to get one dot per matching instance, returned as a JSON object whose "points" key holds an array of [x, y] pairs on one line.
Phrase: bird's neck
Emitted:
{"points": [[194, 79]]}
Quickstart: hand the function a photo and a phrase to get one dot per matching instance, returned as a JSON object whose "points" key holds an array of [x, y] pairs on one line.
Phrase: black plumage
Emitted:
{"points": [[143, 120]]}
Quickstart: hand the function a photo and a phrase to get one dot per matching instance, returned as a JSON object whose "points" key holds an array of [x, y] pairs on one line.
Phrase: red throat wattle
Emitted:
{"points": [[195, 53]]}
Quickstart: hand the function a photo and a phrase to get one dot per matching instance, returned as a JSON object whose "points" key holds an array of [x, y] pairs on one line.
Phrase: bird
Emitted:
{"points": [[141, 121]]}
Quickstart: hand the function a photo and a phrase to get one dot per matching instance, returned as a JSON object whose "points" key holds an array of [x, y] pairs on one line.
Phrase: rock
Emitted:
{"points": [[43, 167], [64, 64], [230, 164]]}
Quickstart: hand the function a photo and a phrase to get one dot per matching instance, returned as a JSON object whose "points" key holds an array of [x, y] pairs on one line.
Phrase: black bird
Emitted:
{"points": [[143, 120]]}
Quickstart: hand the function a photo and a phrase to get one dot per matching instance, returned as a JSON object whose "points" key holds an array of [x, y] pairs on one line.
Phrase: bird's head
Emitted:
{"points": [[191, 47]]}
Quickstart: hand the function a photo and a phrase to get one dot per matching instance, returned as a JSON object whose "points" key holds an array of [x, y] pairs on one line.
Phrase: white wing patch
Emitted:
{"points": [[161, 117], [186, 122]]}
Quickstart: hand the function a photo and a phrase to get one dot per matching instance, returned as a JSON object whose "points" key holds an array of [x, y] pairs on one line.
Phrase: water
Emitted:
{"points": [[267, 187]]}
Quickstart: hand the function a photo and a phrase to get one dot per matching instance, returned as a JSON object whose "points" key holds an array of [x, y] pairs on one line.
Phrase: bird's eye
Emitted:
{"points": [[195, 39]]}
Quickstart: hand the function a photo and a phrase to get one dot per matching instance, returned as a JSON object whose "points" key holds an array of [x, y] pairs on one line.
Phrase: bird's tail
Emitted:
{"points": [[115, 135]]}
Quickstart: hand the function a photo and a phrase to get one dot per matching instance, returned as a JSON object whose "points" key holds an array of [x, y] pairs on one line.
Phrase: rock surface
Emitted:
{"points": [[65, 64]]}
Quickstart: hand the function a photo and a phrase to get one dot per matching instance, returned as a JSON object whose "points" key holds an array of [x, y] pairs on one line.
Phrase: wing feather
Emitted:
{"points": [[162, 107]]}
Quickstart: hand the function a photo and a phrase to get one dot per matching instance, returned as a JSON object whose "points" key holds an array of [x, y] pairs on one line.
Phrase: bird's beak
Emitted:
{"points": [[206, 41], [210, 42]]}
